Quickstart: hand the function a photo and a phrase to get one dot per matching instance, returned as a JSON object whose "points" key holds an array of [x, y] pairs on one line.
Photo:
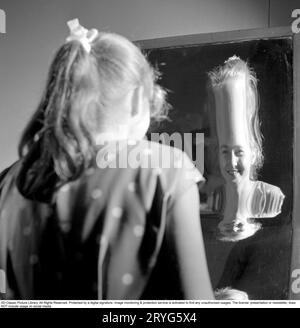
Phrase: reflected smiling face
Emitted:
{"points": [[235, 154], [235, 162]]}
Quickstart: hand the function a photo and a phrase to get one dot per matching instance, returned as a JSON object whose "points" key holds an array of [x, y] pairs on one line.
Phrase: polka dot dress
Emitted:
{"points": [[101, 236]]}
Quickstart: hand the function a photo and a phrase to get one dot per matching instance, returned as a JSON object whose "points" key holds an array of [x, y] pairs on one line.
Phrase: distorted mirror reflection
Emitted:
{"points": [[240, 95], [239, 142]]}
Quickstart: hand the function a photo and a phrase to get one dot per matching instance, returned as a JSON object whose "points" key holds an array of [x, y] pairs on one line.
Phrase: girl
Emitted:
{"points": [[72, 225], [233, 87]]}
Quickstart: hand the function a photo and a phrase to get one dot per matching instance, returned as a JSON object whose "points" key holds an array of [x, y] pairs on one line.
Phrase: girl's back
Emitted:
{"points": [[101, 235]]}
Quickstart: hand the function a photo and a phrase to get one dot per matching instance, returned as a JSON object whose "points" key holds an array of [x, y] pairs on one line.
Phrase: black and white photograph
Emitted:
{"points": [[150, 155]]}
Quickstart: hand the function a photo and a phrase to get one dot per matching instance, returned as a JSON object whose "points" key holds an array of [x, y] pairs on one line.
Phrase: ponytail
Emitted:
{"points": [[80, 89], [66, 143]]}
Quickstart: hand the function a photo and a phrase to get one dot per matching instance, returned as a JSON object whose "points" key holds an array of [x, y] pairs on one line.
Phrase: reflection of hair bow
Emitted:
{"points": [[81, 34], [234, 57]]}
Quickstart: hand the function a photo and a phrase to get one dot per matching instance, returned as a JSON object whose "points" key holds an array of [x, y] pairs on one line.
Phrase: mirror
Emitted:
{"points": [[260, 263]]}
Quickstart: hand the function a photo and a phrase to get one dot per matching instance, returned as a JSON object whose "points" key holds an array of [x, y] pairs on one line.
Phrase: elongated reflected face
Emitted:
{"points": [[235, 162], [235, 155]]}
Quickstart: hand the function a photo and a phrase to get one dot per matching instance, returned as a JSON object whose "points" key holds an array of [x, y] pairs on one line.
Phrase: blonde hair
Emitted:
{"points": [[233, 67], [80, 84]]}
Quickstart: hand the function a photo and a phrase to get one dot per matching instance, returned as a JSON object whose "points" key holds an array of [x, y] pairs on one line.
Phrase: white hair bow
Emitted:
{"points": [[81, 34], [234, 57]]}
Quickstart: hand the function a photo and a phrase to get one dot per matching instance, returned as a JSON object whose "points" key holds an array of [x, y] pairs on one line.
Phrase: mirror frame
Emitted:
{"points": [[247, 35]]}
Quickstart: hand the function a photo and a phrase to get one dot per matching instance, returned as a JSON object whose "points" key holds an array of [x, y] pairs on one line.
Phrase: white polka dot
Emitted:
{"points": [[147, 151], [138, 230], [65, 188], [27, 231], [97, 193], [131, 187], [127, 279], [33, 259], [117, 212]]}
